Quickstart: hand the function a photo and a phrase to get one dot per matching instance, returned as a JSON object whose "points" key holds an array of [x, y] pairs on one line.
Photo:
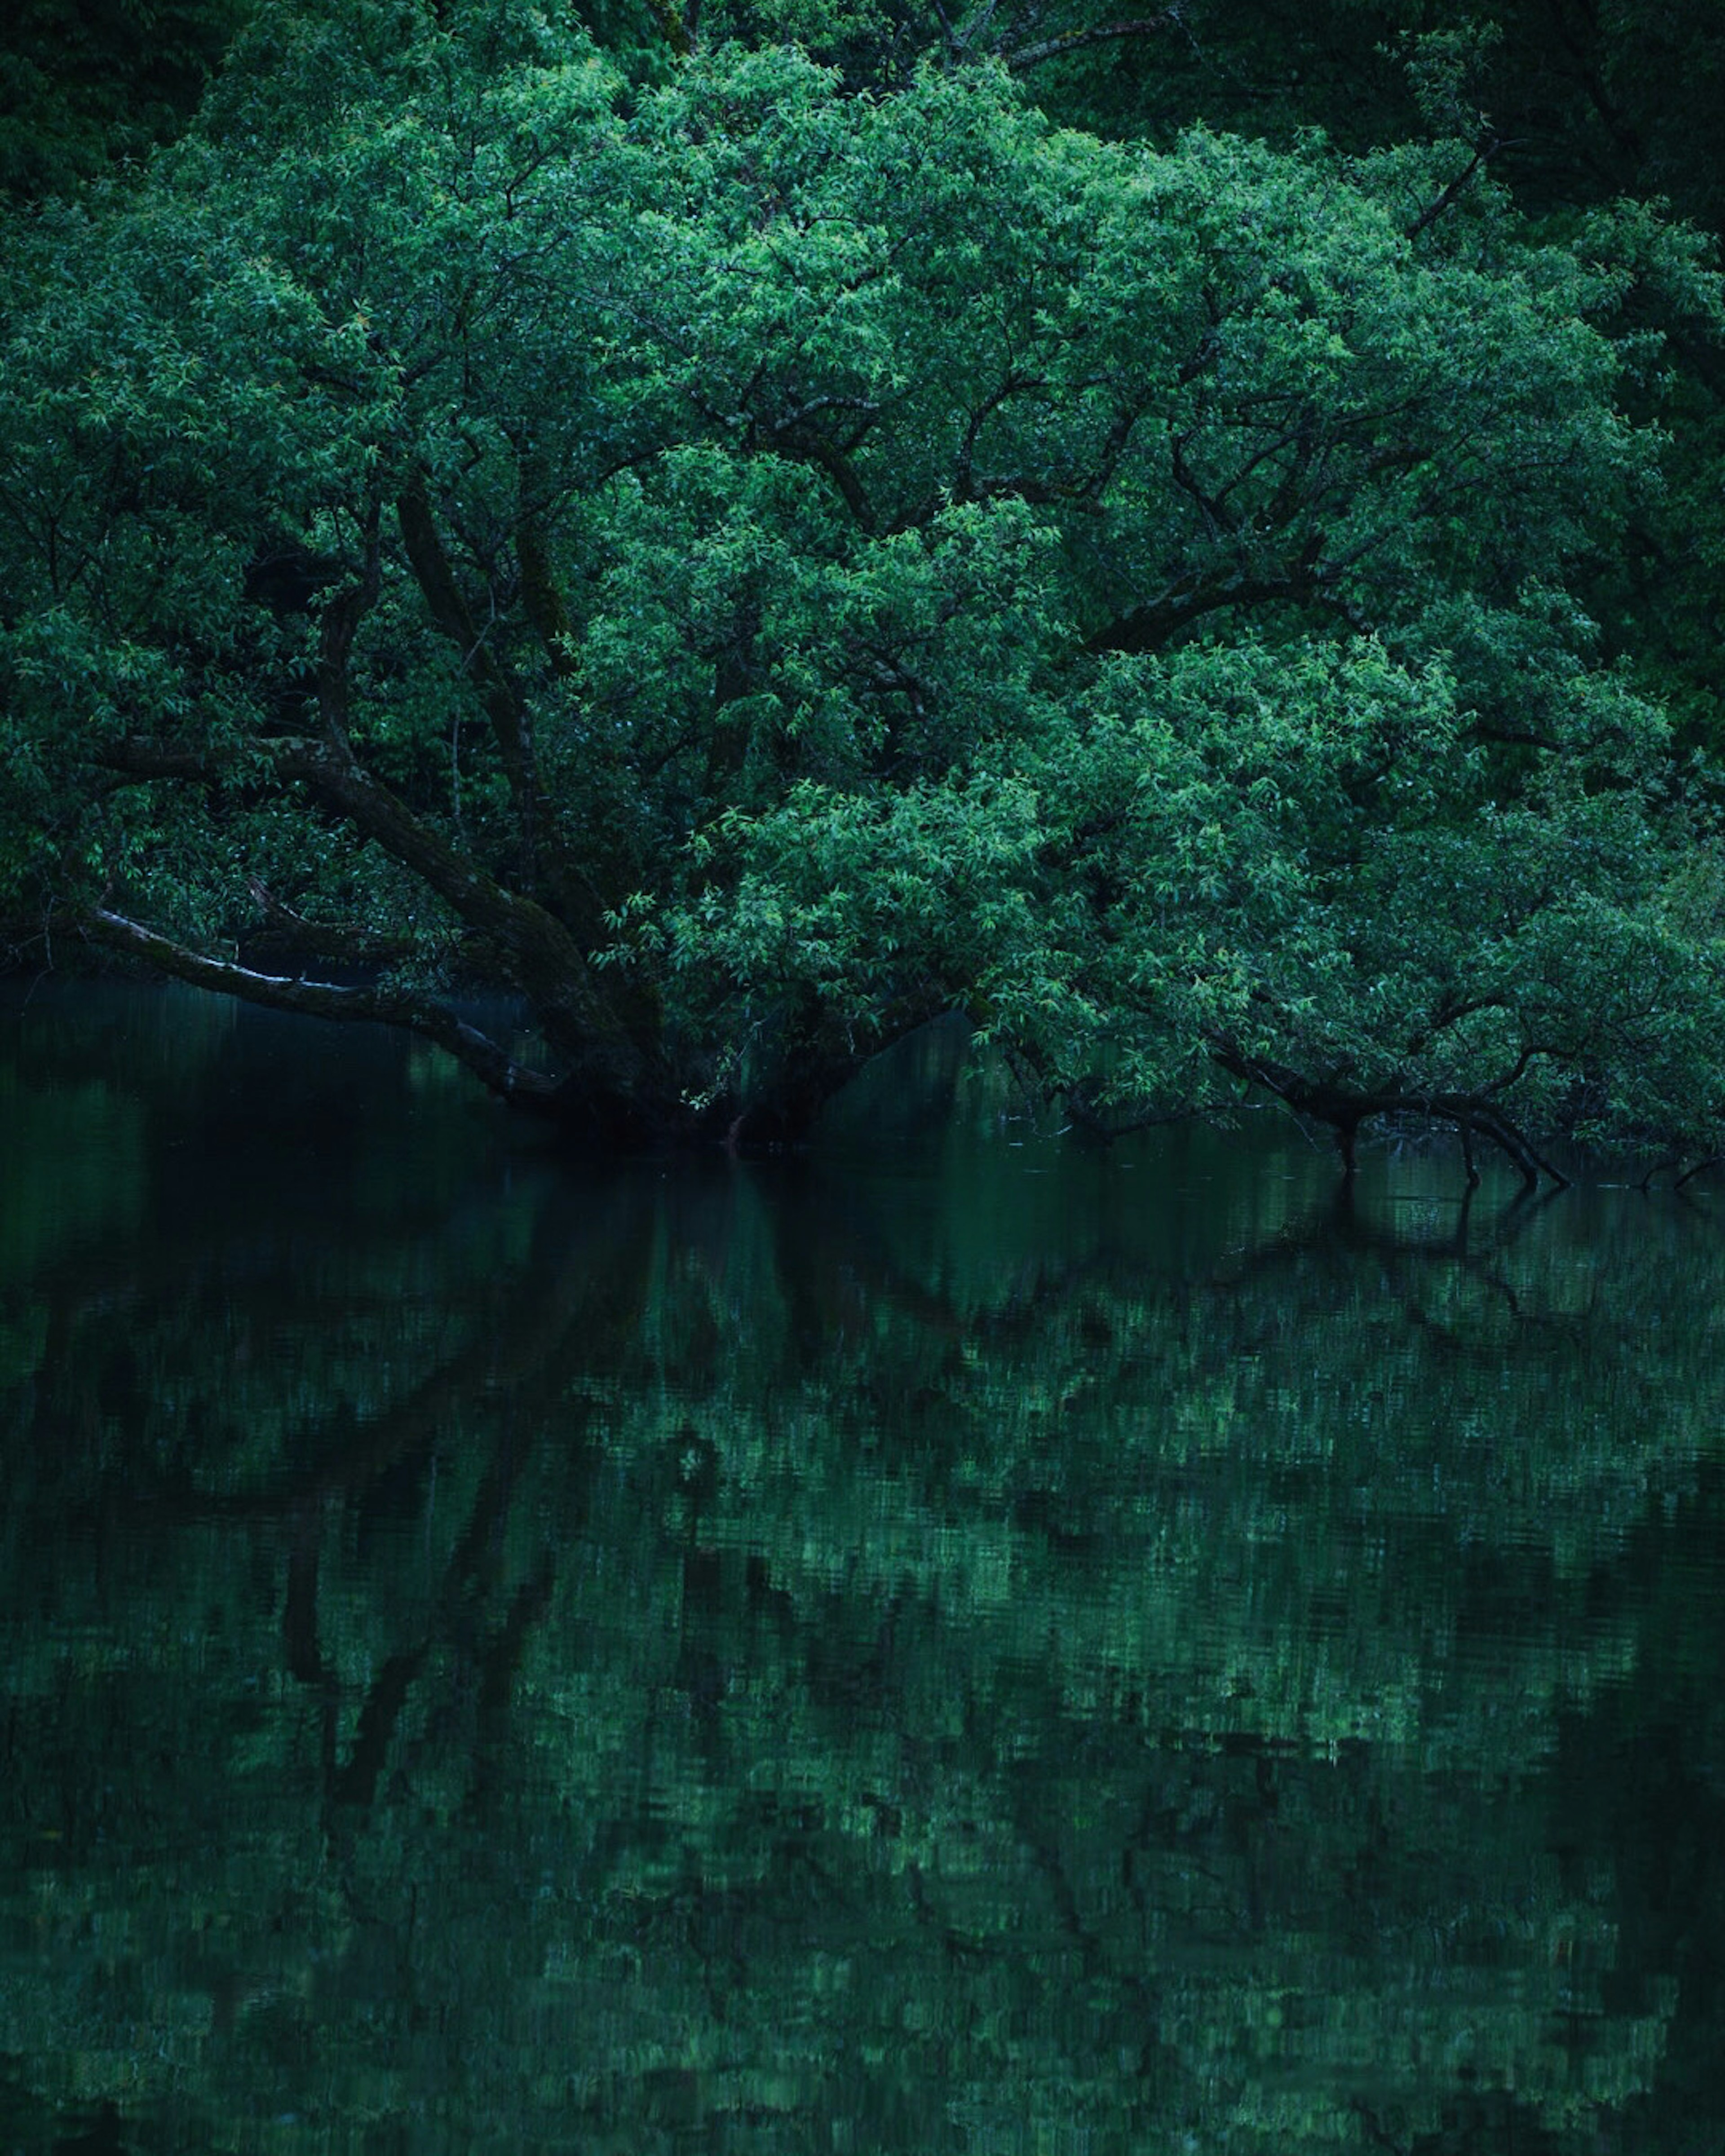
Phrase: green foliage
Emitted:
{"points": [[767, 566], [83, 88]]}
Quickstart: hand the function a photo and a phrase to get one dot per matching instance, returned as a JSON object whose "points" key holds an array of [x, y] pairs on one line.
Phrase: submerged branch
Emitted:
{"points": [[1473, 1114], [493, 1067], [544, 960]]}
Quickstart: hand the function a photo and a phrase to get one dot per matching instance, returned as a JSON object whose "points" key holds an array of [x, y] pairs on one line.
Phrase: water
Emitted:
{"points": [[970, 1643]]}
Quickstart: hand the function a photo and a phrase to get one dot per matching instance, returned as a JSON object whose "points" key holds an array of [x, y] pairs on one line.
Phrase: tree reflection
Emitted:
{"points": [[754, 1657]]}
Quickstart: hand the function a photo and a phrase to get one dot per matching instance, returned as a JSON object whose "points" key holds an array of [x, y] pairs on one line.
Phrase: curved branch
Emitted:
{"points": [[475, 1050], [503, 704], [802, 446], [1083, 1115], [1158, 621], [294, 937], [546, 962], [1473, 1113], [520, 924], [1072, 41]]}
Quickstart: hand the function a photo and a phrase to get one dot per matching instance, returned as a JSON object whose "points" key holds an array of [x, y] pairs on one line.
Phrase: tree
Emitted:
{"points": [[746, 569], [83, 87]]}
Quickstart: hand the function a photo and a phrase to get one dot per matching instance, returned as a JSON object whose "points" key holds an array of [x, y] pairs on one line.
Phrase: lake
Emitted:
{"points": [[963, 1642]]}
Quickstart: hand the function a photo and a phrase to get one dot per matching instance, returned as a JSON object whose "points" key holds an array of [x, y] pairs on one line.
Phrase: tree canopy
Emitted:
{"points": [[745, 561]]}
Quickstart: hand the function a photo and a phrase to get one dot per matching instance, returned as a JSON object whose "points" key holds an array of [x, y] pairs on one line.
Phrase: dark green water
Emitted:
{"points": [[971, 1646]]}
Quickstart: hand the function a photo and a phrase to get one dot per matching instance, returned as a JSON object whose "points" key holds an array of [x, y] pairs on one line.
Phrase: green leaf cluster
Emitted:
{"points": [[747, 566]]}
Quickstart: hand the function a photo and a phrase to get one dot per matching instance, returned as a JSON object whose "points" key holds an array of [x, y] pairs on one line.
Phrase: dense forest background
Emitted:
{"points": [[1192, 538]]}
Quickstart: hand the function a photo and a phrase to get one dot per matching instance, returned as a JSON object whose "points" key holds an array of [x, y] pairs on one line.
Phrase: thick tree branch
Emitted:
{"points": [[1344, 1109], [541, 595], [292, 938], [431, 1021], [544, 960], [332, 774], [804, 446], [341, 621], [1149, 627], [677, 33], [1073, 41], [502, 702]]}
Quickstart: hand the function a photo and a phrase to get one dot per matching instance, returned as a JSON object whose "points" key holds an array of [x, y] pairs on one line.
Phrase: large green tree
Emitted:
{"points": [[747, 567]]}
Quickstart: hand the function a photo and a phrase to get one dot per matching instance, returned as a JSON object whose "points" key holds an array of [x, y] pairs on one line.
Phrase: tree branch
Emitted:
{"points": [[1072, 41], [294, 938], [544, 961], [342, 617], [675, 30], [332, 773], [794, 440], [475, 1050], [501, 701], [540, 596], [1328, 1101], [1463, 180], [1147, 627]]}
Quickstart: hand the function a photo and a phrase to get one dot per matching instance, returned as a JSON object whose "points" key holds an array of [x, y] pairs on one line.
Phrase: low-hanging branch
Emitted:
{"points": [[538, 956], [545, 953], [432, 1021], [1473, 1114]]}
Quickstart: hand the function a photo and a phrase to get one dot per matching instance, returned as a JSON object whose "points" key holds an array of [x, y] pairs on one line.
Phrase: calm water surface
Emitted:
{"points": [[970, 1643]]}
